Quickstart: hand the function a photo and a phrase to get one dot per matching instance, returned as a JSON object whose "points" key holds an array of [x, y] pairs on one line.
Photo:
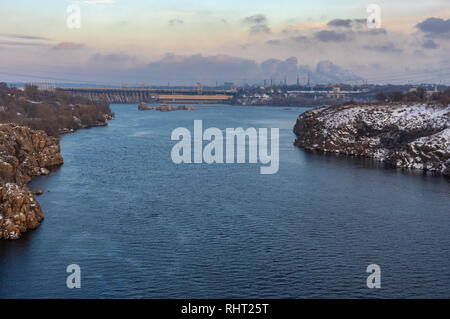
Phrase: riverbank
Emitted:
{"points": [[32, 121], [24, 154], [410, 136]]}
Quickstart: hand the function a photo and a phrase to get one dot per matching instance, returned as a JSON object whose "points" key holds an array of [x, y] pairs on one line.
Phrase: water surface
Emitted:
{"points": [[141, 226]]}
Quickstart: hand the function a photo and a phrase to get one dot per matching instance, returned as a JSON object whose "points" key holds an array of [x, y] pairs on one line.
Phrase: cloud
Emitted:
{"points": [[327, 67], [279, 69], [384, 47], [301, 39], [15, 43], [328, 72], [359, 22], [262, 28], [348, 23], [188, 69], [348, 30], [26, 37], [23, 40], [325, 72], [113, 60], [68, 46], [430, 44], [175, 22], [340, 23], [330, 36], [319, 39], [258, 24], [273, 42], [435, 26], [255, 19], [373, 31]]}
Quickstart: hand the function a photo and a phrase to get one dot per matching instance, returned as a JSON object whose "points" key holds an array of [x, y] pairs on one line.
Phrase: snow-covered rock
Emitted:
{"points": [[415, 136]]}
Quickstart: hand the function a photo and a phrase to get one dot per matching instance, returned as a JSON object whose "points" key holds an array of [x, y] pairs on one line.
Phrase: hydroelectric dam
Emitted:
{"points": [[155, 95]]}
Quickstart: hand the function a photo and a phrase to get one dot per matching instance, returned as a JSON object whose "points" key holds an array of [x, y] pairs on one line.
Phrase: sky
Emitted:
{"points": [[183, 42]]}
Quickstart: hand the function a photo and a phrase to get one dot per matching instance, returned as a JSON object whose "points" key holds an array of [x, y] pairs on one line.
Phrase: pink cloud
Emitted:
{"points": [[69, 46]]}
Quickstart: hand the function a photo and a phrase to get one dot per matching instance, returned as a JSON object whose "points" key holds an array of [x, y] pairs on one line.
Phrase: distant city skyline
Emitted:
{"points": [[156, 42]]}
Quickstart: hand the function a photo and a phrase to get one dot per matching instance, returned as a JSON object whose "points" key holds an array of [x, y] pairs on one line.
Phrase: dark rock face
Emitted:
{"points": [[407, 136], [23, 153]]}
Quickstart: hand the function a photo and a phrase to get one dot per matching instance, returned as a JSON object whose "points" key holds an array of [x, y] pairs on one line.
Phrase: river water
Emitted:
{"points": [[139, 225]]}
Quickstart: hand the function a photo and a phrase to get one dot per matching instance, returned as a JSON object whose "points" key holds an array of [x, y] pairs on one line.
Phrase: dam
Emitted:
{"points": [[154, 95]]}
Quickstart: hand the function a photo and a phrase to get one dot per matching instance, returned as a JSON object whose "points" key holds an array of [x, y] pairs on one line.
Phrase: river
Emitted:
{"points": [[139, 225]]}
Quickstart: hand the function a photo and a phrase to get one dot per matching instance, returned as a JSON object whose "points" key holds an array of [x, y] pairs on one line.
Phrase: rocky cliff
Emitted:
{"points": [[23, 153], [413, 136]]}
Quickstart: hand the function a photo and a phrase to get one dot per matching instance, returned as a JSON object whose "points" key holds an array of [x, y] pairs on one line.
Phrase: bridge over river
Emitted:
{"points": [[149, 95]]}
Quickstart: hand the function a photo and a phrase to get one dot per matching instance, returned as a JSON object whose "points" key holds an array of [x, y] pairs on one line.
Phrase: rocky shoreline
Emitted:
{"points": [[24, 153], [410, 136], [32, 121], [103, 122]]}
